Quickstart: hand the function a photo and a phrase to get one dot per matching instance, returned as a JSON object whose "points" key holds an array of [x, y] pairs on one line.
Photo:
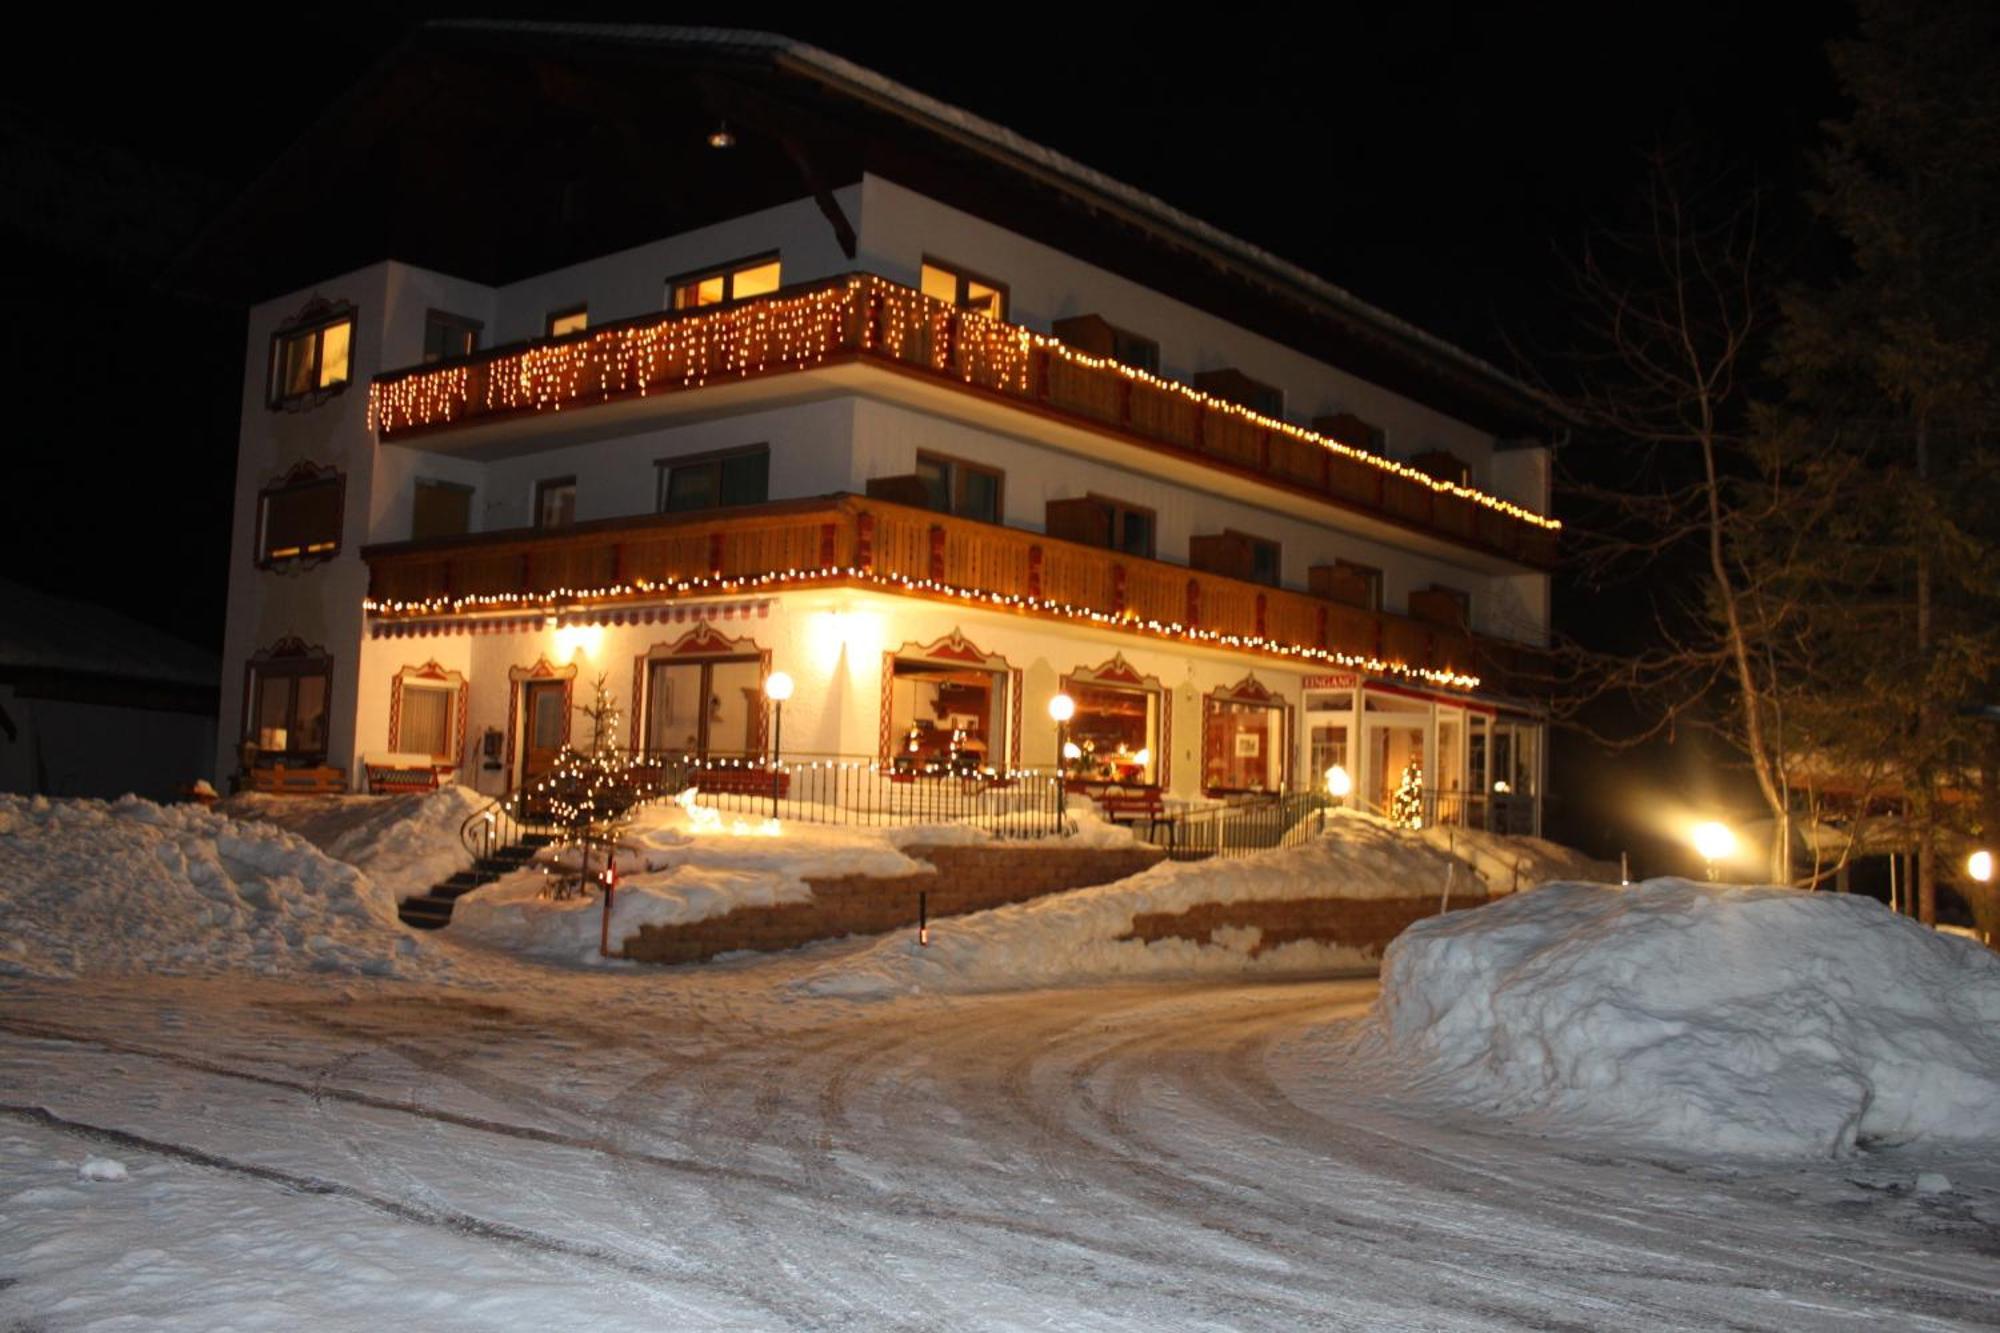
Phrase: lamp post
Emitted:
{"points": [[1979, 866], [1062, 708], [1714, 842], [777, 688]]}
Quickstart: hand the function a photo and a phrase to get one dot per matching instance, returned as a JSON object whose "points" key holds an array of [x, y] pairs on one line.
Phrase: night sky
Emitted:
{"points": [[1438, 160]]}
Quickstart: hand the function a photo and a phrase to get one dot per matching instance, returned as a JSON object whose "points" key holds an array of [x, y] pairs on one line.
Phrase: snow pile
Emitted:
{"points": [[1510, 863], [1713, 1018], [675, 869], [1074, 938], [129, 886], [405, 843]]}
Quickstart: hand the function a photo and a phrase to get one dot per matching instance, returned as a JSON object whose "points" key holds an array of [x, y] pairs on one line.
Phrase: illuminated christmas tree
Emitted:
{"points": [[1407, 806], [587, 797]]}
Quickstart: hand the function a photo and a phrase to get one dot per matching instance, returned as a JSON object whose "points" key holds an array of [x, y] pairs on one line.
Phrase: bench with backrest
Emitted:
{"points": [[400, 774], [277, 779], [1133, 805], [742, 781]]}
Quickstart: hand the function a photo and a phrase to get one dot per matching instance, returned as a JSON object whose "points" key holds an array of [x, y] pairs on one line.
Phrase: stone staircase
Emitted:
{"points": [[432, 910]]}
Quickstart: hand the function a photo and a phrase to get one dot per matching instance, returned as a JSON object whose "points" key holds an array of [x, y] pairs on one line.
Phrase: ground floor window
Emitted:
{"points": [[710, 709], [1119, 725], [947, 706], [285, 717], [427, 713], [1243, 739]]}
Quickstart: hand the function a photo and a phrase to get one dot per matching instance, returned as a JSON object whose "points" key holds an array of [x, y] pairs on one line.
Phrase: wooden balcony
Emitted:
{"points": [[867, 320], [875, 544]]}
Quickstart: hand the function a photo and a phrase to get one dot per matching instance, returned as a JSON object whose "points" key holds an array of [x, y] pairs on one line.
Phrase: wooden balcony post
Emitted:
{"points": [[864, 540], [1193, 603], [1263, 605], [1035, 570], [715, 555], [1118, 588], [827, 536], [936, 564]]}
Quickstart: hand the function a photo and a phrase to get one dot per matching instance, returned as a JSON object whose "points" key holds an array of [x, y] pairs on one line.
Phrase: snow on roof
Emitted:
{"points": [[1004, 143], [42, 632]]}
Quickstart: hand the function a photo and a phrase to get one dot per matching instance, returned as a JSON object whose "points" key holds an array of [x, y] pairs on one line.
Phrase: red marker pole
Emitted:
{"points": [[610, 891]]}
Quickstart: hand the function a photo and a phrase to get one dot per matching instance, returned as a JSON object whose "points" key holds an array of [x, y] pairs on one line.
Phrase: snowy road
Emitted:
{"points": [[703, 1148]]}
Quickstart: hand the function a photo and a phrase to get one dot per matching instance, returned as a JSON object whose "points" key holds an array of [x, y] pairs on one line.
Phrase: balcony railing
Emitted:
{"points": [[864, 318], [895, 548]]}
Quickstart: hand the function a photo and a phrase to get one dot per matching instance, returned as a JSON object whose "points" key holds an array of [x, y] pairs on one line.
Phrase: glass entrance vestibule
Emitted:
{"points": [[1422, 758]]}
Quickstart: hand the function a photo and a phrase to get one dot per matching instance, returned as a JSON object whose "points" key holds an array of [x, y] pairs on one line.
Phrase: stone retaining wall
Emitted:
{"points": [[1366, 924], [966, 879]]}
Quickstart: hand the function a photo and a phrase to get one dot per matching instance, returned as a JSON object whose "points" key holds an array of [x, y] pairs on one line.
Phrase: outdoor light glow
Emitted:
{"points": [[778, 686], [1071, 750], [1062, 708], [1979, 865], [1337, 782], [573, 641], [1713, 840]]}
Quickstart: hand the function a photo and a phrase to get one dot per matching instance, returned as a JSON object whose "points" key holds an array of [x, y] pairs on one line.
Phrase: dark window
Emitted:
{"points": [[574, 320], [441, 509], [286, 717], [311, 358], [967, 291], [1132, 529], [1362, 581], [732, 282], [448, 336], [555, 502], [953, 486], [715, 481], [1134, 350], [1264, 562], [299, 518]]}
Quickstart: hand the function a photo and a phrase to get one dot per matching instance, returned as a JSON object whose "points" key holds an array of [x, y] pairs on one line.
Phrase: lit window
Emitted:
{"points": [[299, 518], [285, 707], [569, 321], [953, 486], [311, 357], [1118, 730], [954, 286], [447, 336], [719, 480], [555, 502], [733, 282], [425, 721]]}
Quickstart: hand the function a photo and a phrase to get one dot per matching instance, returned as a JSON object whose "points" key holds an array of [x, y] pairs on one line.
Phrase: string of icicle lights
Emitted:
{"points": [[796, 333], [553, 599]]}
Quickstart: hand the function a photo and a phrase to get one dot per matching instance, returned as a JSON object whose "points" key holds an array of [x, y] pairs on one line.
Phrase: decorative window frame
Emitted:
{"points": [[294, 657], [301, 474], [1122, 675], [1251, 691], [703, 643], [314, 316], [434, 673], [954, 649], [543, 669]]}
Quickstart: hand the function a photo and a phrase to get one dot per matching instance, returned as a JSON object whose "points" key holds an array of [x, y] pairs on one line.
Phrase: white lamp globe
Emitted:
{"points": [[778, 686], [1062, 708]]}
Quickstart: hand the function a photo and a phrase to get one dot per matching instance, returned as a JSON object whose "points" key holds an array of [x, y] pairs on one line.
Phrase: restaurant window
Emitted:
{"points": [[967, 291], [954, 486], [312, 356], [448, 336], [555, 502], [715, 481], [440, 509], [1117, 726], [1243, 739], [284, 720], [299, 516], [732, 282], [574, 320], [948, 708]]}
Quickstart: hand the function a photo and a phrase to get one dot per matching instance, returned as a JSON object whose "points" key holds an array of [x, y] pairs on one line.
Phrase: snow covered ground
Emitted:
{"points": [[295, 1136], [404, 843], [1705, 1017]]}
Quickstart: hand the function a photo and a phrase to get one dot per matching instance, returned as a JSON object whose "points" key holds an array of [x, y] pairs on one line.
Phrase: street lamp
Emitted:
{"points": [[777, 688], [1338, 784], [1062, 708], [1714, 842], [1979, 865]]}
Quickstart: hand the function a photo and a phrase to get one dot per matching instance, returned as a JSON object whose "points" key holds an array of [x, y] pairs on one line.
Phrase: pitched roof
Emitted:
{"points": [[43, 633]]}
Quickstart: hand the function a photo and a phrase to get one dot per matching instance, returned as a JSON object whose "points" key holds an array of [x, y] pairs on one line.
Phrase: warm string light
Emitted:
{"points": [[1126, 620], [797, 333]]}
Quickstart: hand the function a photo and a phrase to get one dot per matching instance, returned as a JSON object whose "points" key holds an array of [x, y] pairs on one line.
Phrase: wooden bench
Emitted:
{"points": [[1146, 804], [398, 774], [282, 781], [743, 781]]}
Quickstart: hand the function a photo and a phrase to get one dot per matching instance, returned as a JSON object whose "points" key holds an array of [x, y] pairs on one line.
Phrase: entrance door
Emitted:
{"points": [[545, 706]]}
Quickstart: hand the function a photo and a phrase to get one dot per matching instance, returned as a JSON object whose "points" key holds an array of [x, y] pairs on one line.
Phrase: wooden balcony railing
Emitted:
{"points": [[860, 317], [896, 548]]}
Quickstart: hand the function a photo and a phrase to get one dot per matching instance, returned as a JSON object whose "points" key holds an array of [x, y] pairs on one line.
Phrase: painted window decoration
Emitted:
{"points": [[1118, 726], [719, 480], [312, 355], [427, 708], [1244, 729], [954, 486], [299, 517], [285, 708], [968, 291], [738, 281]]}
